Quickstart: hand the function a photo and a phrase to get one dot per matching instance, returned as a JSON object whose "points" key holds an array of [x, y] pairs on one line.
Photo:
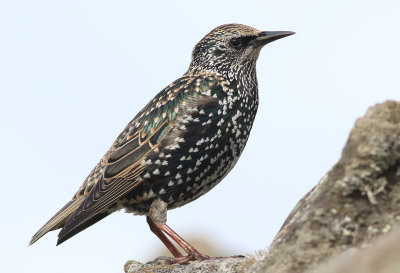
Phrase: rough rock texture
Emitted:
{"points": [[229, 265], [381, 257], [355, 202], [358, 199]]}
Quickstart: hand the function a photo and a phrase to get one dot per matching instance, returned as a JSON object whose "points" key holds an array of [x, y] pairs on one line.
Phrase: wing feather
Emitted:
{"points": [[121, 175], [58, 219]]}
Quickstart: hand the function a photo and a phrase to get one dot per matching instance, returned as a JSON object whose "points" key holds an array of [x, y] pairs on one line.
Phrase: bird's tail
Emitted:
{"points": [[58, 220]]}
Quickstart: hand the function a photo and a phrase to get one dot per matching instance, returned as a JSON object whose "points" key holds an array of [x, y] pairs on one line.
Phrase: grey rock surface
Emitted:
{"points": [[225, 265], [357, 200], [382, 256]]}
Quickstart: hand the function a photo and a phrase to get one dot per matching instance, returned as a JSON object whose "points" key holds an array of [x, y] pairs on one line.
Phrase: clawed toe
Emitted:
{"points": [[196, 256], [191, 257]]}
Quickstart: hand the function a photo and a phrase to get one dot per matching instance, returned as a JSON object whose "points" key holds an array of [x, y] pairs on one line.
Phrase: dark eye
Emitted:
{"points": [[235, 43]]}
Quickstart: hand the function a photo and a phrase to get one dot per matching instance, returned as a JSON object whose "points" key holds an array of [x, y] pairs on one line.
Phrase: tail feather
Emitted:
{"points": [[58, 220], [67, 232]]}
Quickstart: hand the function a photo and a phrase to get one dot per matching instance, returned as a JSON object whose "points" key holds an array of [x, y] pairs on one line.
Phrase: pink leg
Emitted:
{"points": [[157, 219], [158, 232], [193, 254]]}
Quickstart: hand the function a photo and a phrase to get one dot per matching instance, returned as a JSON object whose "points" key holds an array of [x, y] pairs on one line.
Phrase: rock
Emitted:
{"points": [[159, 265], [382, 256], [358, 199]]}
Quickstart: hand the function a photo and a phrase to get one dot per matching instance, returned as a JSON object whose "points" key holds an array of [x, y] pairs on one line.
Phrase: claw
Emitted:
{"points": [[195, 256]]}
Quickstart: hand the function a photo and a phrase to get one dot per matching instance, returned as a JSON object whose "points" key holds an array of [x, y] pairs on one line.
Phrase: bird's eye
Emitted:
{"points": [[235, 42]]}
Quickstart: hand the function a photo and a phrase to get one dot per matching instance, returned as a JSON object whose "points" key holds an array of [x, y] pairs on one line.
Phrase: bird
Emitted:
{"points": [[180, 145]]}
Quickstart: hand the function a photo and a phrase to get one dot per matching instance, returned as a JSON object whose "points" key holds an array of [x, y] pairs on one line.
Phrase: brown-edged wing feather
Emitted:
{"points": [[121, 175], [58, 220]]}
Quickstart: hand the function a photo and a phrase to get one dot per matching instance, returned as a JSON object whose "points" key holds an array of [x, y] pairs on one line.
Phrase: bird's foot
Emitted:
{"points": [[193, 256], [197, 256]]}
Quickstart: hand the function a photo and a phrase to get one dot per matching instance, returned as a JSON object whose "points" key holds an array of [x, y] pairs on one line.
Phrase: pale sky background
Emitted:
{"points": [[74, 73]]}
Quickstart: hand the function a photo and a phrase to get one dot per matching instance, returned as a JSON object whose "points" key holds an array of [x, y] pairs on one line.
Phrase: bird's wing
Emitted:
{"points": [[121, 175], [127, 160]]}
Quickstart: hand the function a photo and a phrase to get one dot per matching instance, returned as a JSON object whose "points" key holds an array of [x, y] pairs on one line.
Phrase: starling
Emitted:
{"points": [[180, 145]]}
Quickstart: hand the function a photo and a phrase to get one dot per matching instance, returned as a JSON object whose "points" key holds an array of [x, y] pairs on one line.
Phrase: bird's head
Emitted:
{"points": [[228, 49]]}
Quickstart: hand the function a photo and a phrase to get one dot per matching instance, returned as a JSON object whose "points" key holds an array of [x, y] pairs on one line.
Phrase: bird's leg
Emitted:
{"points": [[157, 219], [158, 232], [193, 253]]}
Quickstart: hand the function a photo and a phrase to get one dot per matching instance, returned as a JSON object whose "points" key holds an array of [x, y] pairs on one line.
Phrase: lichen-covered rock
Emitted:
{"points": [[382, 256], [359, 198]]}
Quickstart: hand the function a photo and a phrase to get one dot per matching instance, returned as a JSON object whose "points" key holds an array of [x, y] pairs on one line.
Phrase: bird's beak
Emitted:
{"points": [[265, 37]]}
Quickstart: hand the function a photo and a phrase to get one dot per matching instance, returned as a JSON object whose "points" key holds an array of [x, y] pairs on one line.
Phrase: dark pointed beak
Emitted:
{"points": [[265, 37]]}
